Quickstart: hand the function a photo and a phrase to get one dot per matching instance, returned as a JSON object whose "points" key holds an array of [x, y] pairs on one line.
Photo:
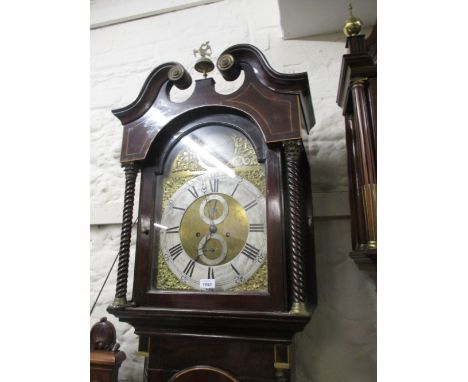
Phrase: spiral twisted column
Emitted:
{"points": [[293, 151], [131, 173]]}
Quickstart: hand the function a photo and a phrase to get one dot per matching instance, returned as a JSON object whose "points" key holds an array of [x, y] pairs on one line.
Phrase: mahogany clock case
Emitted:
{"points": [[272, 110], [241, 360], [269, 108], [150, 208]]}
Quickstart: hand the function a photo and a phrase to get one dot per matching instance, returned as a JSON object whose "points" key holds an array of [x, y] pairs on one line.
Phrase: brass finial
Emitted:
{"points": [[204, 64], [352, 25]]}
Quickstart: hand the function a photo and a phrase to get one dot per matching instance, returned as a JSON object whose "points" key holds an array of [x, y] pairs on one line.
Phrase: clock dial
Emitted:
{"points": [[212, 224], [214, 229]]}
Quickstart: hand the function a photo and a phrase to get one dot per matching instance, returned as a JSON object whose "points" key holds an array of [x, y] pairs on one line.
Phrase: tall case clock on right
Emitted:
{"points": [[357, 96]]}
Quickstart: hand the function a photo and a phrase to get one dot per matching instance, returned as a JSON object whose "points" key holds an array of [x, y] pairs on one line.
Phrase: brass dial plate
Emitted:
{"points": [[233, 229], [229, 150], [214, 233]]}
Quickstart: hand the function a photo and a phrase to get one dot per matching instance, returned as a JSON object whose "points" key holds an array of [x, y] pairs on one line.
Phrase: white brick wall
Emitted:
{"points": [[340, 343]]}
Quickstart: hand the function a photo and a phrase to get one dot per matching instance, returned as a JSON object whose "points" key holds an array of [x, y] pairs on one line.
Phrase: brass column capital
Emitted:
{"points": [[360, 81], [293, 149]]}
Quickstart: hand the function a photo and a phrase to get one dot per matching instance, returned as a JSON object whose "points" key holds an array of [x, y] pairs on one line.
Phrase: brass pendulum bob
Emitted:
{"points": [[204, 64]]}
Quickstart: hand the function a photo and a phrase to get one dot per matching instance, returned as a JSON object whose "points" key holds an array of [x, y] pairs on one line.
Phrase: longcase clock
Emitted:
{"points": [[357, 96], [224, 266]]}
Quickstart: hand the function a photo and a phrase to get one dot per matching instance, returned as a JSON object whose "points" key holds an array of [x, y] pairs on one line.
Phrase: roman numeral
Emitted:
{"points": [[234, 269], [250, 205], [173, 230], [256, 227], [250, 251], [188, 270], [175, 251], [193, 191], [235, 189], [211, 273], [178, 208], [214, 185]]}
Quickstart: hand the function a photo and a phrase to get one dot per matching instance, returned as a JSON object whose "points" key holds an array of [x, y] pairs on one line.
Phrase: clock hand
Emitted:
{"points": [[207, 237], [210, 212], [210, 234], [214, 208]]}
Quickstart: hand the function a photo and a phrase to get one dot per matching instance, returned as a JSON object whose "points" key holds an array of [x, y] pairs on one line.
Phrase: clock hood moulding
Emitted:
{"points": [[282, 102]]}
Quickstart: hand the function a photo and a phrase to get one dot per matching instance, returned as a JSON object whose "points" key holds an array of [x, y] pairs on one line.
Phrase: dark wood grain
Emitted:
{"points": [[371, 44], [103, 335], [296, 220], [238, 360], [105, 358], [358, 231], [278, 103], [131, 172], [202, 374], [235, 332], [372, 100], [144, 292], [105, 365], [254, 325]]}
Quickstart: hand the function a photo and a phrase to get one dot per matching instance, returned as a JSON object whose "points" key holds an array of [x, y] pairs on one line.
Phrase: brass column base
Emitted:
{"points": [[372, 245], [121, 302], [299, 308], [281, 375]]}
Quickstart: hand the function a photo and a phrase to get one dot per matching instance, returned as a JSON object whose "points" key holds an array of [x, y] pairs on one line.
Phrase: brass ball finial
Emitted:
{"points": [[352, 25]]}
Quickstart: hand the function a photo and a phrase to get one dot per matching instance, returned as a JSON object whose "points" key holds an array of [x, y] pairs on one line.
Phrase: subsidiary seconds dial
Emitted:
{"points": [[213, 231]]}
